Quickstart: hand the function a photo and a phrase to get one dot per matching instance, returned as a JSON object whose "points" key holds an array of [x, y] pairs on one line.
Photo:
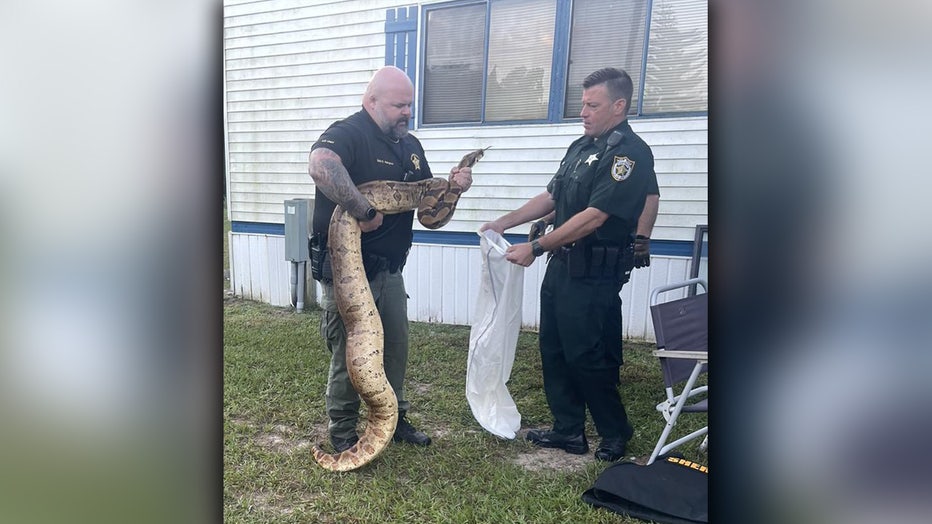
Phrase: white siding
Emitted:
{"points": [[290, 69], [293, 67], [442, 282], [523, 159], [258, 269]]}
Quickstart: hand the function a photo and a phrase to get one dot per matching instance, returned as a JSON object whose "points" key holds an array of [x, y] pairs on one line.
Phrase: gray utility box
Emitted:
{"points": [[299, 213]]}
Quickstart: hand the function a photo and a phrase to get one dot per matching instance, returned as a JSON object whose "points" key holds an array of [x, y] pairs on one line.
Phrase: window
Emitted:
{"points": [[677, 78], [605, 33], [454, 64], [496, 61], [520, 54]]}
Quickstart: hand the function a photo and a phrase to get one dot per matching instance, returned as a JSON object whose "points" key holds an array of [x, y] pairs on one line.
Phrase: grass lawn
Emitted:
{"points": [[275, 367]]}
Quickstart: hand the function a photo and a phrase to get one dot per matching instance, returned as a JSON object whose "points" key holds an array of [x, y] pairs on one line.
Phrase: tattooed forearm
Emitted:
{"points": [[331, 177]]}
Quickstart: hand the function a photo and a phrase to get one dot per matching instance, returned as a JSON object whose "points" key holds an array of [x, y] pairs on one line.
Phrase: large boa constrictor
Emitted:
{"points": [[435, 200]]}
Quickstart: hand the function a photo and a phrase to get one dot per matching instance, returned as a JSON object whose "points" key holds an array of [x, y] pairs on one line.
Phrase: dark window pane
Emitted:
{"points": [[605, 33], [678, 57], [454, 64], [520, 59]]}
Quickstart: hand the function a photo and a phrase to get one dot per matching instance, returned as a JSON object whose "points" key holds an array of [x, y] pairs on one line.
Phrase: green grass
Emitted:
{"points": [[275, 367]]}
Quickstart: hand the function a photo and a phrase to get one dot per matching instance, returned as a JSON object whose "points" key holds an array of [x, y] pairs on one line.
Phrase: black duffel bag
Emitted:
{"points": [[669, 491]]}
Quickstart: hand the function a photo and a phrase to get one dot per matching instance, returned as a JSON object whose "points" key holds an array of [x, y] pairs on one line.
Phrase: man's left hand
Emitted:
{"points": [[520, 254], [461, 176], [537, 230], [641, 251]]}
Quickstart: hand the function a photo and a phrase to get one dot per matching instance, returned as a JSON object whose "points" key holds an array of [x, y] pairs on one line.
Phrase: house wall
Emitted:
{"points": [[442, 282], [291, 68]]}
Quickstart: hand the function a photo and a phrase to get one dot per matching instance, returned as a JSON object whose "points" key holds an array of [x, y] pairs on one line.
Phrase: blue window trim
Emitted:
{"points": [[400, 42], [560, 63], [258, 228], [670, 248], [558, 73], [650, 13], [631, 118]]}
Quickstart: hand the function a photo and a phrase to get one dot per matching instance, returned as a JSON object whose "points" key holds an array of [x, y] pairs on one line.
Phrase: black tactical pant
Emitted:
{"points": [[580, 347]]}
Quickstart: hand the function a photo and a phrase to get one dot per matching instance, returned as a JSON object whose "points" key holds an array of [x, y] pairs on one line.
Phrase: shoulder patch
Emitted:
{"points": [[622, 168]]}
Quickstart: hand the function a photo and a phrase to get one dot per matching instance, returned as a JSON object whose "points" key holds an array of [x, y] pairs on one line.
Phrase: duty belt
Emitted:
{"points": [[603, 262], [561, 253], [374, 264]]}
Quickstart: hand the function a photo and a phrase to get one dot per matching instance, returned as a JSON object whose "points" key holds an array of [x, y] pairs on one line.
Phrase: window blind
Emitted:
{"points": [[677, 78], [604, 33], [520, 58], [454, 64]]}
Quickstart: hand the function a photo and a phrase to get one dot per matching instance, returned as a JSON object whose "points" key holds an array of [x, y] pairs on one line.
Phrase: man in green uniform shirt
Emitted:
{"points": [[604, 195]]}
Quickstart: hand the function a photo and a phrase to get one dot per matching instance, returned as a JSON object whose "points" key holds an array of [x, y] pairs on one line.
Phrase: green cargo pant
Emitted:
{"points": [[388, 290]]}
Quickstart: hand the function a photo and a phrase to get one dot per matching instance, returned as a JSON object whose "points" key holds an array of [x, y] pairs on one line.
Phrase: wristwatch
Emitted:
{"points": [[370, 214], [536, 249]]}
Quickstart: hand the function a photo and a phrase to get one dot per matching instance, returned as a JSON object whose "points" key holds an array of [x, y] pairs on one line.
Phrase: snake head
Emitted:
{"points": [[470, 159]]}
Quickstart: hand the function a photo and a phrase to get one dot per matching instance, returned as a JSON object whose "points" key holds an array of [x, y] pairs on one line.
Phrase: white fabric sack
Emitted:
{"points": [[493, 339]]}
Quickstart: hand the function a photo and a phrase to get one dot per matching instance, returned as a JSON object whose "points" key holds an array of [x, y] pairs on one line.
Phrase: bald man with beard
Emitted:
{"points": [[372, 144]]}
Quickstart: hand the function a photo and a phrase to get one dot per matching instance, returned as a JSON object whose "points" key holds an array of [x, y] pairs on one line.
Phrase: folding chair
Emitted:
{"points": [[682, 330]]}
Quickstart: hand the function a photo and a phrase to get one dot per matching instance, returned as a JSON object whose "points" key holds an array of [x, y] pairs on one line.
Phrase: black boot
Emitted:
{"points": [[611, 449], [575, 444], [405, 432]]}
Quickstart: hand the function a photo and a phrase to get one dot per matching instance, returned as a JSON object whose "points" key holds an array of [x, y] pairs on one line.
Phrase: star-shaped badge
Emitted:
{"points": [[592, 158]]}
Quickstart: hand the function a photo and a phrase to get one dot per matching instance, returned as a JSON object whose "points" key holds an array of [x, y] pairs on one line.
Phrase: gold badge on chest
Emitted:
{"points": [[416, 161]]}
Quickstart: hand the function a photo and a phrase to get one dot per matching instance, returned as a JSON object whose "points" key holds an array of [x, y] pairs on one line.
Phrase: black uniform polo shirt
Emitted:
{"points": [[369, 154], [612, 175]]}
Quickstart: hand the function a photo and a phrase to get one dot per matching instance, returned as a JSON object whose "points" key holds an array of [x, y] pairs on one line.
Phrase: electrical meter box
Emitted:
{"points": [[299, 213]]}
